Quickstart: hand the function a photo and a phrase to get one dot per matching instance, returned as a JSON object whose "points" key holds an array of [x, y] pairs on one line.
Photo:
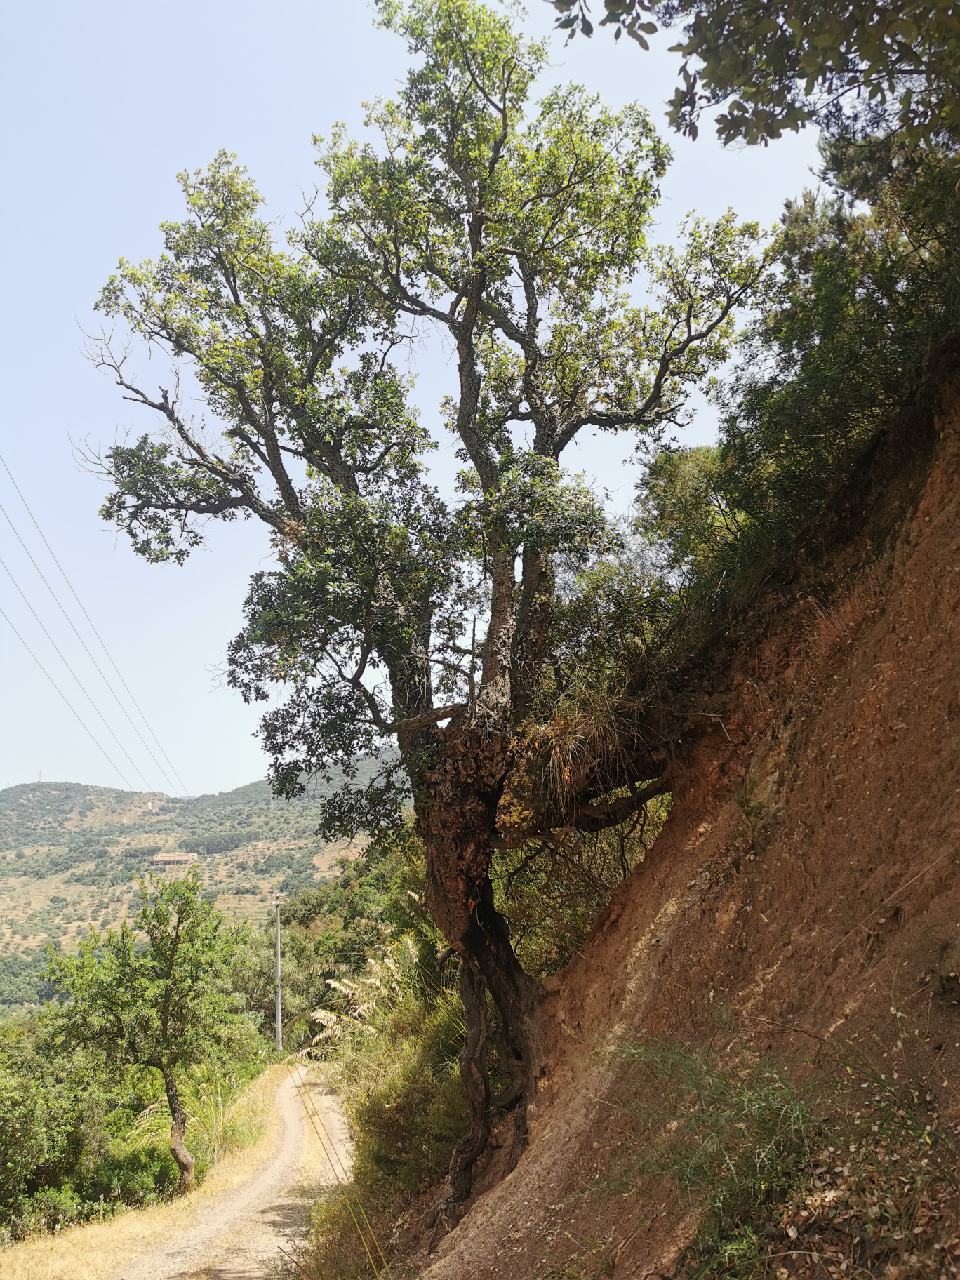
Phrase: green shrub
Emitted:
{"points": [[51, 1209], [403, 1096], [871, 287], [395, 1063], [132, 1176], [78, 1140], [735, 1140], [857, 1170]]}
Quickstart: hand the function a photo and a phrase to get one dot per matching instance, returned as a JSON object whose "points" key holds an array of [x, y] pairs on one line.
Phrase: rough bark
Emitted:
{"points": [[475, 1082], [456, 814], [185, 1161]]}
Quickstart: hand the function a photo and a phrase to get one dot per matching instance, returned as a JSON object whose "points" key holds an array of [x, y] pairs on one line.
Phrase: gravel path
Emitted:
{"points": [[239, 1235]]}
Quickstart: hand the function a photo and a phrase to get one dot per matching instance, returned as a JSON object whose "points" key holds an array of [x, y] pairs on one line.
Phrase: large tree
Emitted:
{"points": [[445, 622], [777, 66], [154, 993]]}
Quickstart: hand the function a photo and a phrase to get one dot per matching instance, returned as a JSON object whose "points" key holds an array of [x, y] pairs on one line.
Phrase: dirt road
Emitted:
{"points": [[239, 1234], [253, 1203]]}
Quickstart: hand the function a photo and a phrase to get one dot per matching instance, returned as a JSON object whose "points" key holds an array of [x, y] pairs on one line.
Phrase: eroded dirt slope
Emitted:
{"points": [[804, 897]]}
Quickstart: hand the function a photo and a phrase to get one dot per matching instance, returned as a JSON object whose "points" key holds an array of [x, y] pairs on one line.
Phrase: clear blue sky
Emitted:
{"points": [[102, 104]]}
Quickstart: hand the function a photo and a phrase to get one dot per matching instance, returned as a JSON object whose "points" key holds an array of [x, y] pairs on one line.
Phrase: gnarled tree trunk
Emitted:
{"points": [[456, 817], [185, 1161]]}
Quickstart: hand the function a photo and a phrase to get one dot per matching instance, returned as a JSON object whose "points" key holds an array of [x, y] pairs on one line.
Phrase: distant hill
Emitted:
{"points": [[70, 855]]}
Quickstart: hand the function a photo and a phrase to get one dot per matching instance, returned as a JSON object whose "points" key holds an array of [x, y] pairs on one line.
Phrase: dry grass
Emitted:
{"points": [[327, 1151], [836, 626], [97, 1251]]}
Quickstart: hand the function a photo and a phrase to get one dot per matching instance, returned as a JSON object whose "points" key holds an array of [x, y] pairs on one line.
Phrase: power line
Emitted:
{"points": [[86, 648], [83, 689], [83, 724], [103, 645]]}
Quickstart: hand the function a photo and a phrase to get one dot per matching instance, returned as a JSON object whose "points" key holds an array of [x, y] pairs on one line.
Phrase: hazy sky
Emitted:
{"points": [[102, 104]]}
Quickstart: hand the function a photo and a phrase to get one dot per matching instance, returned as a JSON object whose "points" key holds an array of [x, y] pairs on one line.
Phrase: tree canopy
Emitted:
{"points": [[518, 230], [516, 233], [776, 67], [155, 993]]}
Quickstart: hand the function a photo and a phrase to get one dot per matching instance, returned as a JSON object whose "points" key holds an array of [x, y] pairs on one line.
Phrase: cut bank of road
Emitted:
{"points": [[234, 1227]]}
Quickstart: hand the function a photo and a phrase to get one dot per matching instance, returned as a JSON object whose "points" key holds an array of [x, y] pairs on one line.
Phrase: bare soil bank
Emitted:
{"points": [[804, 897]]}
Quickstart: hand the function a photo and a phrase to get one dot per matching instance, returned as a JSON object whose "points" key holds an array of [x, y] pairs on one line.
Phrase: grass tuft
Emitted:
{"points": [[859, 1178]]}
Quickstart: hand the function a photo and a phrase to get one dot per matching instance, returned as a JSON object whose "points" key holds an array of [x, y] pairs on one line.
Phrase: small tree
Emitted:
{"points": [[154, 994], [516, 230]]}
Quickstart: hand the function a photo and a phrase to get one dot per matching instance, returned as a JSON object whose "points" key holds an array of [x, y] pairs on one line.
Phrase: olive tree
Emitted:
{"points": [[517, 230]]}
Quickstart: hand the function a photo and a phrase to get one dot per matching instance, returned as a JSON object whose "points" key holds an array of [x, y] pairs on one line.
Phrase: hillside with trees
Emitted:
{"points": [[70, 857]]}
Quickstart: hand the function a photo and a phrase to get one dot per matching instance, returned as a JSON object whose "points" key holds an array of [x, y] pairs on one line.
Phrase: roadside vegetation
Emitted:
{"points": [[121, 1090], [80, 1144]]}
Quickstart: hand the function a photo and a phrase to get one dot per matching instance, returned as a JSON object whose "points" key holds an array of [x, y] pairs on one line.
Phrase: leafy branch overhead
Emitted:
{"points": [[776, 67]]}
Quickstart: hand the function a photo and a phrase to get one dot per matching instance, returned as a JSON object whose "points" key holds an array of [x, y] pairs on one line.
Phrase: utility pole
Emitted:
{"points": [[276, 973]]}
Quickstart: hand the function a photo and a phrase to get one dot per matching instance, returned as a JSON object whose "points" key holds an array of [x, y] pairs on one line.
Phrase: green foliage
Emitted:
{"points": [[81, 1140], [23, 1137], [397, 1039], [515, 227], [630, 17], [684, 510], [66, 1125], [552, 895], [23, 979], [735, 1140], [776, 67], [221, 843], [164, 1002], [876, 291], [870, 289]]}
